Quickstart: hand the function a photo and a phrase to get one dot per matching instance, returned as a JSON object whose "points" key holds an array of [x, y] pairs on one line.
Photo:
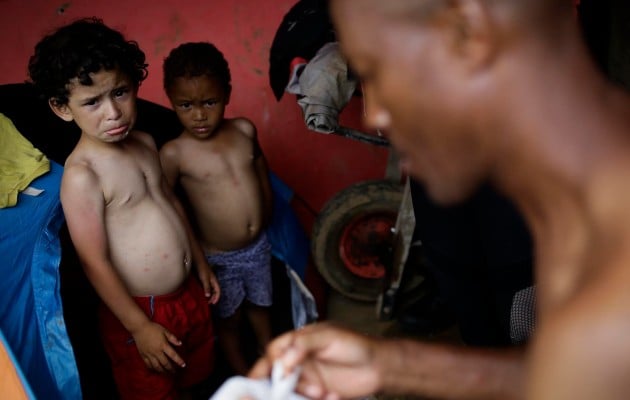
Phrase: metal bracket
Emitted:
{"points": [[360, 136], [403, 233]]}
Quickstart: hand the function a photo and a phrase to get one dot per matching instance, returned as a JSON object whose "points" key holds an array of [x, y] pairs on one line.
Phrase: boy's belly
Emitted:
{"points": [[228, 228], [150, 251], [229, 237]]}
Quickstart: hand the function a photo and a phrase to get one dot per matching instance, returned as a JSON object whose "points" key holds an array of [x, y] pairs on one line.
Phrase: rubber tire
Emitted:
{"points": [[374, 196]]}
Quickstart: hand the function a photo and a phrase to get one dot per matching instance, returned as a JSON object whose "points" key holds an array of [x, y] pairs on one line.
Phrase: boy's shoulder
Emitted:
{"points": [[173, 144], [143, 137], [77, 160], [78, 173], [81, 156], [85, 151], [241, 124]]}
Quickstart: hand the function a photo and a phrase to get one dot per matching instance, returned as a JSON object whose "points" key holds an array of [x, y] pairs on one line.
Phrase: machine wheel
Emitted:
{"points": [[352, 238]]}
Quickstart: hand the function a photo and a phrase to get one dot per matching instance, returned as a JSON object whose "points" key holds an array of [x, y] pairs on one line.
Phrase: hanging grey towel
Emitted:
{"points": [[323, 87]]}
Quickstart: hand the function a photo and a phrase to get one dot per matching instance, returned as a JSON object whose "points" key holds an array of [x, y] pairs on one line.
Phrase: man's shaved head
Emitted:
{"points": [[524, 11], [434, 71]]}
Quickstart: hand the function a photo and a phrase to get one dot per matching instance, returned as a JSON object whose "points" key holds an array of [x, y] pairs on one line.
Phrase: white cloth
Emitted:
{"points": [[303, 307], [279, 387]]}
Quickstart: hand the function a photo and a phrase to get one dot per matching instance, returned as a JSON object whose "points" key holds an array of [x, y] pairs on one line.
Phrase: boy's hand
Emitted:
{"points": [[154, 344], [209, 282]]}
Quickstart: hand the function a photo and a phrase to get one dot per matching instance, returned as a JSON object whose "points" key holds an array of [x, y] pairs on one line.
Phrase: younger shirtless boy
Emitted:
{"points": [[219, 165], [128, 229]]}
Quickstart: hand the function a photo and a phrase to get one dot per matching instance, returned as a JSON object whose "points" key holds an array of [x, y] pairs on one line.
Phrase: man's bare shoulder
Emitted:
{"points": [[586, 335]]}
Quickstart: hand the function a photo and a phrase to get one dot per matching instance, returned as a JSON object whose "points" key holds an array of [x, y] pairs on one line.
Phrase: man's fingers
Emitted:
{"points": [[260, 370], [293, 347], [280, 345], [327, 341], [311, 339], [276, 349]]}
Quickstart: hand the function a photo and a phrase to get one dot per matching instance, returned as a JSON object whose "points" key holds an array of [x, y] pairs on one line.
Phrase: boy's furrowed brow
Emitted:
{"points": [[122, 86], [91, 99]]}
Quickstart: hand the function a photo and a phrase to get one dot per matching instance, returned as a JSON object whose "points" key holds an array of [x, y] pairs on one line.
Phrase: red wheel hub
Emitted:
{"points": [[366, 242]]}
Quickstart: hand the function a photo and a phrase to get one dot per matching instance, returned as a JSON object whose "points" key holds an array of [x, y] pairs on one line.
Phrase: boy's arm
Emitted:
{"points": [[170, 167], [206, 276], [260, 165], [83, 205], [169, 157]]}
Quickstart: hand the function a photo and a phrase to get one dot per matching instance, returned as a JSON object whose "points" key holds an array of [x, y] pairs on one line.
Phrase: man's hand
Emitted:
{"points": [[336, 363], [155, 345]]}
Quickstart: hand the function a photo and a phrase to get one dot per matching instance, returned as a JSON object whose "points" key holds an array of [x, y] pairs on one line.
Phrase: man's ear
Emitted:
{"points": [[61, 110], [474, 32]]}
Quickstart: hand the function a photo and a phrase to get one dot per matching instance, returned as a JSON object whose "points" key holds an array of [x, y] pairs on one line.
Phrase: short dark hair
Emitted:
{"points": [[78, 49], [196, 59]]}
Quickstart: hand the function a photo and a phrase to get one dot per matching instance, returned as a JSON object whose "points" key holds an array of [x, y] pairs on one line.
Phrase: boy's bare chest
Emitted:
{"points": [[129, 175], [218, 160]]}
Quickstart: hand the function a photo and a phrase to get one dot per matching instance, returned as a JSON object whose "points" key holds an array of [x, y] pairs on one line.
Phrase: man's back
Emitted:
{"points": [[580, 349]]}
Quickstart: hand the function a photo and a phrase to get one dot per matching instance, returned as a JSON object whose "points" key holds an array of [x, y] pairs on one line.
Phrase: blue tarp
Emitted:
{"points": [[290, 244], [286, 235], [31, 315]]}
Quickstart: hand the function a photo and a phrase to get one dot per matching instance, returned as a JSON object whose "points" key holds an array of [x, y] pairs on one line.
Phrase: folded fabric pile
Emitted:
{"points": [[20, 163]]}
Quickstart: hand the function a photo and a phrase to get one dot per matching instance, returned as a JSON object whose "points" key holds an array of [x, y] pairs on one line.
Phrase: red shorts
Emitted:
{"points": [[186, 314]]}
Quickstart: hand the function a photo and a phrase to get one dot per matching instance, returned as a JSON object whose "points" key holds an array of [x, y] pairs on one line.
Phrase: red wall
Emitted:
{"points": [[316, 166]]}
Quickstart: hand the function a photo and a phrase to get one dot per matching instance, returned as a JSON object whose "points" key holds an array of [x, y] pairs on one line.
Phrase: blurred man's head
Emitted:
{"points": [[429, 70]]}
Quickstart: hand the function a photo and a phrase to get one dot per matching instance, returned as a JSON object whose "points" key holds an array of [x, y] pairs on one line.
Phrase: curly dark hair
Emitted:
{"points": [[196, 59], [78, 49]]}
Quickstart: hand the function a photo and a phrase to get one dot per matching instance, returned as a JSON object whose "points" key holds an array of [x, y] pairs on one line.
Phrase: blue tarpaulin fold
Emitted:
{"points": [[31, 314]]}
